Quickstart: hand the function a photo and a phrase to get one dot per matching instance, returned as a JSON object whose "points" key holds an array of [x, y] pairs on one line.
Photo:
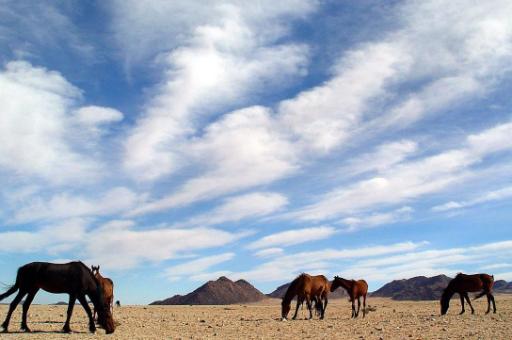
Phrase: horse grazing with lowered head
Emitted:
{"points": [[464, 284], [108, 289], [308, 288], [73, 278], [355, 290]]}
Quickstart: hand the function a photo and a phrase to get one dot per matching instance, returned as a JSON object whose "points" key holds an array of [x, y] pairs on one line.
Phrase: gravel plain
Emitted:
{"points": [[388, 320]]}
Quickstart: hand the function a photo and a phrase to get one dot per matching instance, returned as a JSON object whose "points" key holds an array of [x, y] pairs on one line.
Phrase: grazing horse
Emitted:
{"points": [[355, 290], [309, 288], [464, 284], [108, 289], [73, 278], [118, 303]]}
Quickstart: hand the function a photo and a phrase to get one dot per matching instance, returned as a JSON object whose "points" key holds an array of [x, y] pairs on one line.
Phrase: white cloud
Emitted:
{"points": [[198, 266], [288, 266], [94, 117], [240, 151], [62, 206], [125, 247], [406, 181], [51, 239], [373, 220], [237, 208], [385, 156], [359, 101], [326, 116], [220, 63], [35, 130], [429, 262], [269, 252], [491, 196], [292, 237]]}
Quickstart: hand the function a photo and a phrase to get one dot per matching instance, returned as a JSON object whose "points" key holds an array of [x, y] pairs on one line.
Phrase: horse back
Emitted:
{"points": [[472, 282], [362, 287], [319, 285], [56, 278]]}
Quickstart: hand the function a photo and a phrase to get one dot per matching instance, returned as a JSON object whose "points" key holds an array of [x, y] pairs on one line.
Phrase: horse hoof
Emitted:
{"points": [[284, 319], [66, 330], [26, 329]]}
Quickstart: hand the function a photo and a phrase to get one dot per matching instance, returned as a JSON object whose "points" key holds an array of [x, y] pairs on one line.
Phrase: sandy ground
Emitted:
{"points": [[390, 320]]}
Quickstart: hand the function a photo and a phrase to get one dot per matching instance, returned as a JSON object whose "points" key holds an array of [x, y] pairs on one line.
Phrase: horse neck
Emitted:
{"points": [[448, 293], [291, 291], [346, 284]]}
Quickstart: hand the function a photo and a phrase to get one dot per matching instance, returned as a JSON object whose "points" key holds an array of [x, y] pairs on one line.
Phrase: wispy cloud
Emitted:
{"points": [[196, 267], [490, 196], [292, 237]]}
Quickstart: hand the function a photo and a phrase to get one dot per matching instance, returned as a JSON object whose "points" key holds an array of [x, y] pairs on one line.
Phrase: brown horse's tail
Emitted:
{"points": [[10, 291], [479, 295]]}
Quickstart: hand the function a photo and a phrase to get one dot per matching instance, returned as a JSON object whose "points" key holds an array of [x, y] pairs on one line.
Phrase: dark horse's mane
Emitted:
{"points": [[291, 291]]}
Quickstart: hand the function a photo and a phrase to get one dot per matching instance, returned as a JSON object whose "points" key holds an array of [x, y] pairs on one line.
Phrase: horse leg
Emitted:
{"points": [[26, 306], [324, 308], [493, 303], [12, 307], [71, 304], [353, 308], [364, 305], [462, 303], [83, 302], [308, 303], [358, 306], [299, 302], [469, 303]]}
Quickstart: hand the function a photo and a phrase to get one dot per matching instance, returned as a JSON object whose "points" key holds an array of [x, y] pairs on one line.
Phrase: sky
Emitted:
{"points": [[173, 142]]}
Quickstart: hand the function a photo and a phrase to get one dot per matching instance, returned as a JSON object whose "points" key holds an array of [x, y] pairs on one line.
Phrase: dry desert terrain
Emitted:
{"points": [[389, 320]]}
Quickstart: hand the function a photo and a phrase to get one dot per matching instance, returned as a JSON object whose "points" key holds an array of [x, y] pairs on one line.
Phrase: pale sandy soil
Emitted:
{"points": [[390, 320]]}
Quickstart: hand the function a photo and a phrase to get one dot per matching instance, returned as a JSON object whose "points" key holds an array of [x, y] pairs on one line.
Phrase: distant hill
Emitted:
{"points": [[502, 286], [220, 292], [281, 290], [426, 288], [416, 288]]}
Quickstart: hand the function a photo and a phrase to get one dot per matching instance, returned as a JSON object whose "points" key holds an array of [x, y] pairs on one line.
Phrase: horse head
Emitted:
{"points": [[106, 320]]}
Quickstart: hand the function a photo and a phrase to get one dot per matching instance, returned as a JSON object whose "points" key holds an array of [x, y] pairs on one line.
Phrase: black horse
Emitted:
{"points": [[73, 278]]}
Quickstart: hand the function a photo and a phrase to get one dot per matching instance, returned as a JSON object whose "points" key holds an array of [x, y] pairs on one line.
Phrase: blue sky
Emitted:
{"points": [[173, 142]]}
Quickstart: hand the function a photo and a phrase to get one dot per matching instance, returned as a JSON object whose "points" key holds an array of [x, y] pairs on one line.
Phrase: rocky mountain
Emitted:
{"points": [[426, 288], [281, 290], [416, 288], [502, 286], [220, 292]]}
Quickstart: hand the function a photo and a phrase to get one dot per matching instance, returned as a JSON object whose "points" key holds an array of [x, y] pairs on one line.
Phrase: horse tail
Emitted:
{"points": [[479, 295], [10, 291]]}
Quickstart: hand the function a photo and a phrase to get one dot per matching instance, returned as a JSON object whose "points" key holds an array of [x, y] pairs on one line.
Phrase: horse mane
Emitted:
{"points": [[291, 291]]}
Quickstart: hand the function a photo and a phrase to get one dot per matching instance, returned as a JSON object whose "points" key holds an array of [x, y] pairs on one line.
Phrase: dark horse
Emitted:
{"points": [[355, 290], [464, 284], [73, 278], [309, 288], [107, 287]]}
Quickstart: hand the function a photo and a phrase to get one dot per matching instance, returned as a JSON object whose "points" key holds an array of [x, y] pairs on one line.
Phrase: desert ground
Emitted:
{"points": [[388, 320]]}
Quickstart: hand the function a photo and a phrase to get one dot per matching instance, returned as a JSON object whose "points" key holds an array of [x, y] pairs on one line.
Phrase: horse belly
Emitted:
{"points": [[55, 284]]}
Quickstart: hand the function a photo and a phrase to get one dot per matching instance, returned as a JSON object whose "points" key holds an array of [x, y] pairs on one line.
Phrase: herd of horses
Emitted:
{"points": [[315, 289], [79, 282]]}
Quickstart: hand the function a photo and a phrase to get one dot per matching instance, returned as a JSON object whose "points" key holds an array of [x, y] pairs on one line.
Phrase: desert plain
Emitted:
{"points": [[387, 319]]}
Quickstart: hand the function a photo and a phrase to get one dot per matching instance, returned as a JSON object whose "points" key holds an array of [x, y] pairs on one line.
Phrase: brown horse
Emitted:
{"points": [[355, 290], [72, 278], [108, 289], [464, 284], [309, 288]]}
